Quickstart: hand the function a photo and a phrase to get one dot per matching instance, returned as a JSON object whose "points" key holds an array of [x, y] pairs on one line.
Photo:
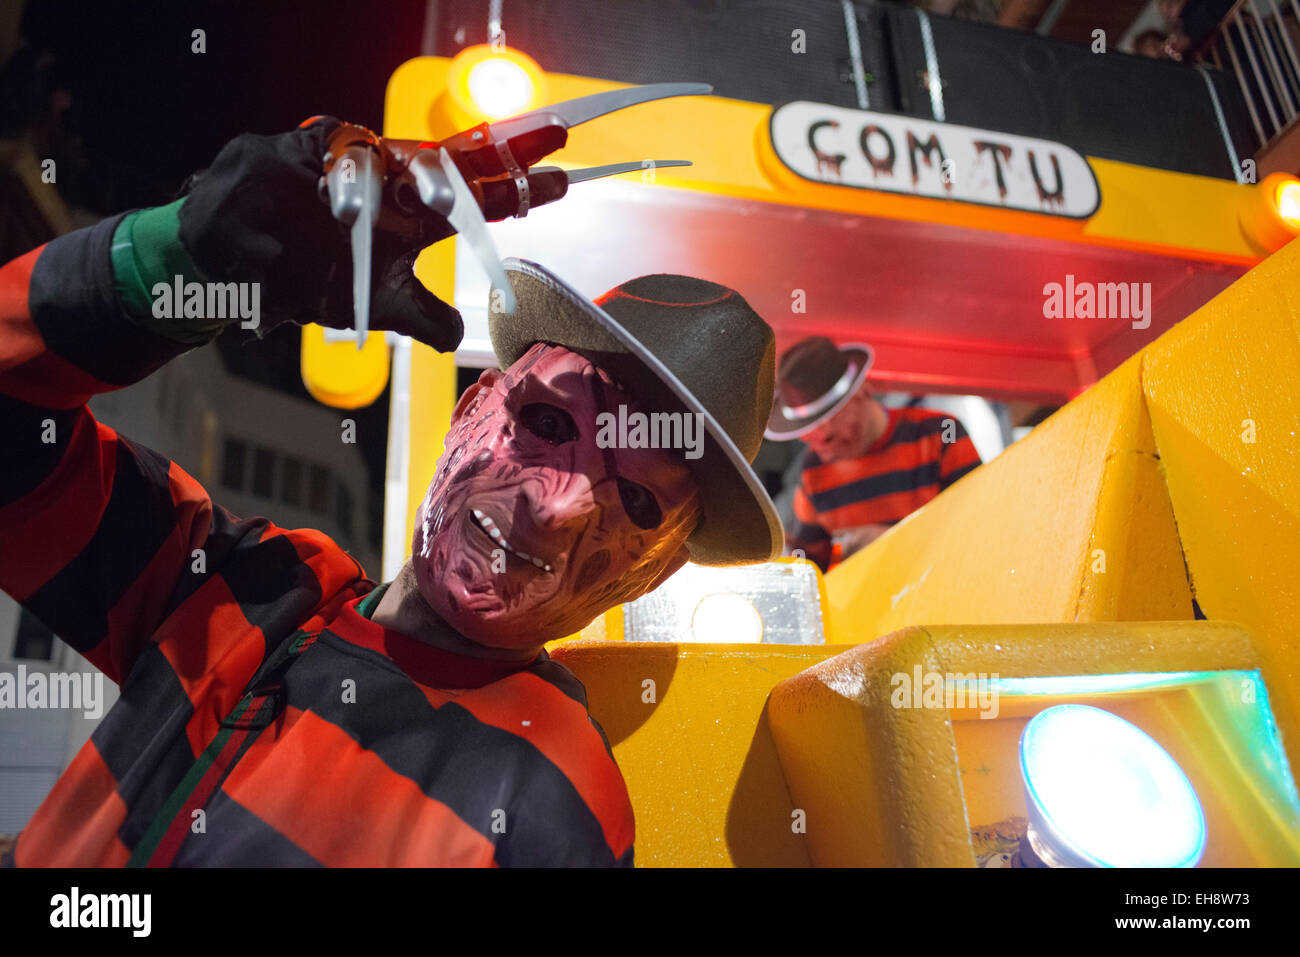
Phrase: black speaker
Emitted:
{"points": [[1128, 108]]}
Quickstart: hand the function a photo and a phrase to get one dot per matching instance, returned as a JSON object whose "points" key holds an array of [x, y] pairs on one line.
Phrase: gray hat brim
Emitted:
{"points": [[783, 428]]}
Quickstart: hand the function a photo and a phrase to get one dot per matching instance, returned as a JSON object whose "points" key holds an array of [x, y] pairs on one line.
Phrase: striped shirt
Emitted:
{"points": [[254, 687], [907, 466]]}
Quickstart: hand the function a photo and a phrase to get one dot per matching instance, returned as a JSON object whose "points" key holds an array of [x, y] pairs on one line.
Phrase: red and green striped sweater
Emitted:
{"points": [[910, 464], [425, 758]]}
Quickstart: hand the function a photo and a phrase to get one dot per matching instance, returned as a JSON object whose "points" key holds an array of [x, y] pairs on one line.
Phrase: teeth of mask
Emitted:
{"points": [[492, 530]]}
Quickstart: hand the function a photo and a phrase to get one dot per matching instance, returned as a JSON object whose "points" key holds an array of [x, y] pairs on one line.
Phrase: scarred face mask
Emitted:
{"points": [[530, 529]]}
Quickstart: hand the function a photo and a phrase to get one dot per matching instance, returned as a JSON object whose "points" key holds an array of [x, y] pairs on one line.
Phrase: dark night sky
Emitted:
{"points": [[150, 111]]}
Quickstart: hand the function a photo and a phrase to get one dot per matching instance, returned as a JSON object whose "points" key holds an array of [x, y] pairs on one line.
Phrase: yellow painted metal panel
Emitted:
{"points": [[433, 386], [1070, 524], [698, 759], [1163, 211], [338, 374], [878, 784], [1133, 566], [1221, 388]]}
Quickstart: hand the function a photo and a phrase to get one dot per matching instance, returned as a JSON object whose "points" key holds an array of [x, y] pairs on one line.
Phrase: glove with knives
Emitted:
{"points": [[285, 211]]}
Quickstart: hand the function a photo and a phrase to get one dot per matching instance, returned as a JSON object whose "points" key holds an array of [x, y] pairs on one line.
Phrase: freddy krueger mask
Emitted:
{"points": [[529, 529]]}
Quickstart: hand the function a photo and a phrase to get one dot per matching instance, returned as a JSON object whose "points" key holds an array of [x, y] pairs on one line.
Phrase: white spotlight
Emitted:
{"points": [[1102, 793]]}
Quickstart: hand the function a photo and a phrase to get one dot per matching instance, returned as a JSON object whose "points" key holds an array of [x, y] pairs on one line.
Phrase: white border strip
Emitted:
{"points": [[855, 53], [397, 466], [931, 66], [1223, 124]]}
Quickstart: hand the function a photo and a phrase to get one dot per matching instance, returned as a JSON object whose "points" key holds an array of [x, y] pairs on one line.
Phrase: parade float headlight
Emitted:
{"points": [[725, 616], [1287, 199], [778, 602], [501, 87], [1102, 793], [1270, 214], [489, 84]]}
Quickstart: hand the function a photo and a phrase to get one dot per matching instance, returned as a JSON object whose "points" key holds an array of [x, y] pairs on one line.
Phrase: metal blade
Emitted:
{"points": [[362, 239], [577, 111], [611, 169], [468, 220], [431, 183], [356, 185]]}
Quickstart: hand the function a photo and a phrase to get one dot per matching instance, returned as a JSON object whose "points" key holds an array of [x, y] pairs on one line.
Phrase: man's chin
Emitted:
{"points": [[481, 614], [519, 607], [502, 629]]}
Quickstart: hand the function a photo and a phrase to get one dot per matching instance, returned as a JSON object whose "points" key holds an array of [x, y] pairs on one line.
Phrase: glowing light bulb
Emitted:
{"points": [[1102, 793], [500, 87], [1287, 198], [726, 617]]}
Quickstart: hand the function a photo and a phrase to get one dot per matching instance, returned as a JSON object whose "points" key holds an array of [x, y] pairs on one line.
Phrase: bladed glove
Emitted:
{"points": [[256, 215]]}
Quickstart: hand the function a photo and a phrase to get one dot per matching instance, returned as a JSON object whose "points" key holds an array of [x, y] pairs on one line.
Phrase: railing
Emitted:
{"points": [[1257, 41]]}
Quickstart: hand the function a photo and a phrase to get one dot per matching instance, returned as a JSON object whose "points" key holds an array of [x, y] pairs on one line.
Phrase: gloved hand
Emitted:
{"points": [[256, 216]]}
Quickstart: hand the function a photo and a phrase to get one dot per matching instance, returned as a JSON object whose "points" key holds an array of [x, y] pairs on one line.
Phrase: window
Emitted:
{"points": [[343, 509], [318, 487], [263, 472], [33, 641], [291, 481], [233, 464]]}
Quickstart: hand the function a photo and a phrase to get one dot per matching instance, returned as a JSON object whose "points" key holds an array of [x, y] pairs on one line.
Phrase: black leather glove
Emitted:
{"points": [[256, 216]]}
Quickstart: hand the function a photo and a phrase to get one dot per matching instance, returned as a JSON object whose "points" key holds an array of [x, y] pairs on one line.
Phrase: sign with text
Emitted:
{"points": [[901, 154]]}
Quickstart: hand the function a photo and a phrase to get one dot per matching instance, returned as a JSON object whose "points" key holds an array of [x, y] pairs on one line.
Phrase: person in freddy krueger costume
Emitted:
{"points": [[866, 467], [460, 742]]}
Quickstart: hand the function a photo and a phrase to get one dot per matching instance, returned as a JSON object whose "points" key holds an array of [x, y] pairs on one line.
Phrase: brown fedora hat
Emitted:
{"points": [[813, 381], [678, 344]]}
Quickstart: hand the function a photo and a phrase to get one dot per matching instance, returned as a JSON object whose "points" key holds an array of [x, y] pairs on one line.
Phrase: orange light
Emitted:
{"points": [[501, 87], [1270, 213], [1287, 199], [488, 84]]}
